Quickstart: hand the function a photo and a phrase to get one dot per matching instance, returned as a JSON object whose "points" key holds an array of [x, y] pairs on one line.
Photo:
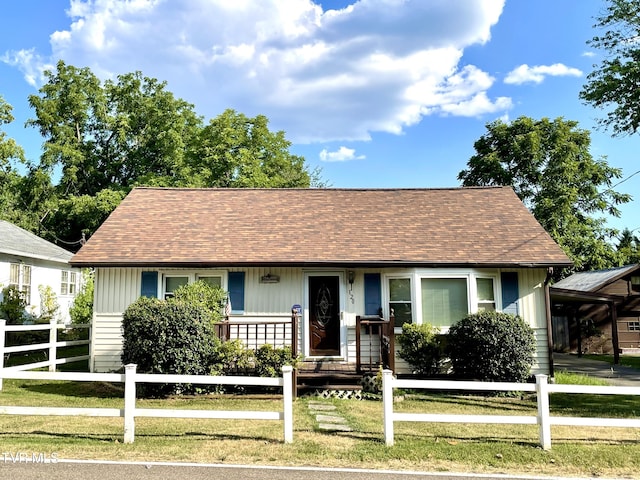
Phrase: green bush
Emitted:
{"points": [[270, 360], [232, 358], [491, 346], [167, 337], [13, 305], [420, 348], [81, 311], [202, 295]]}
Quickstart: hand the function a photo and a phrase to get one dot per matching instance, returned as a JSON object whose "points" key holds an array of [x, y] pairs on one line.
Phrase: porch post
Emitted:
{"points": [[613, 313]]}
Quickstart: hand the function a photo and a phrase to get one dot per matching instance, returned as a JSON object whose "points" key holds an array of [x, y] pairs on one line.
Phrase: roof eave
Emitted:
{"points": [[329, 263]]}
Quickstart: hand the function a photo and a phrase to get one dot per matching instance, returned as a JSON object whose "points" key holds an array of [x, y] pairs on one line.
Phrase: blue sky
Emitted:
{"points": [[378, 93]]}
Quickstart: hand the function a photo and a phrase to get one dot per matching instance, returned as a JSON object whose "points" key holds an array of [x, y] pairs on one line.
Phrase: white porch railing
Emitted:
{"points": [[51, 346], [130, 378], [543, 418]]}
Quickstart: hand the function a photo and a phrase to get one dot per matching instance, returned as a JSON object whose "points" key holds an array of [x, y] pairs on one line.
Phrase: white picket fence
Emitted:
{"points": [[51, 346], [130, 412], [542, 389]]}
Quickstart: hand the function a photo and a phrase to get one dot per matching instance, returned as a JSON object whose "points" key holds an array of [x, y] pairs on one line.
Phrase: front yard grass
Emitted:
{"points": [[418, 446]]}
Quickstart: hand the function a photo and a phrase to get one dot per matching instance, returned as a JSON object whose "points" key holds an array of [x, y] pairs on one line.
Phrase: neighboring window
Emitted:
{"points": [[634, 326], [400, 300], [20, 277], [172, 283], [68, 283], [444, 300], [635, 282], [215, 281], [486, 295]]}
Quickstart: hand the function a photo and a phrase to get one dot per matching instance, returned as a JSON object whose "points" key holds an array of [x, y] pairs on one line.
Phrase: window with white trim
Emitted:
{"points": [[68, 282], [172, 282], [20, 277], [400, 300], [485, 292], [213, 280], [633, 326]]}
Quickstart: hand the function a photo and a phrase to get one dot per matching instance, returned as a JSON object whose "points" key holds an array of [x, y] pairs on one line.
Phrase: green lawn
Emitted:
{"points": [[418, 446], [626, 360]]}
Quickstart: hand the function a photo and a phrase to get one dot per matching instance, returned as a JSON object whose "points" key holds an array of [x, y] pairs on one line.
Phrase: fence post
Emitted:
{"points": [[287, 398], [53, 339], [129, 402], [3, 323], [387, 406], [542, 393]]}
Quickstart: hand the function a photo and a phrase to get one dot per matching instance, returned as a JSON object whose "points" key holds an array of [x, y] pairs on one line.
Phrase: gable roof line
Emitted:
{"points": [[616, 273], [22, 243]]}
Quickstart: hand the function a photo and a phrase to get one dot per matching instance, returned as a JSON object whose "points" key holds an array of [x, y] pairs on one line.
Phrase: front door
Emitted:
{"points": [[324, 315]]}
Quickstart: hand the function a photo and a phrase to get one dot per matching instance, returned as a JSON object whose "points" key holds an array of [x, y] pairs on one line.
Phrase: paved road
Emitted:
{"points": [[71, 470]]}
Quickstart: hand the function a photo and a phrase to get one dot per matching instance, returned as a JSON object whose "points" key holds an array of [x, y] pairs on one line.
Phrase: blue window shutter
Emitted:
{"points": [[236, 291], [149, 285], [510, 292], [372, 293]]}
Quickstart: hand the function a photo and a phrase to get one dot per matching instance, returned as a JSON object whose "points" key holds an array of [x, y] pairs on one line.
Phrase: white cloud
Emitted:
{"points": [[343, 154], [526, 74], [375, 66], [589, 54]]}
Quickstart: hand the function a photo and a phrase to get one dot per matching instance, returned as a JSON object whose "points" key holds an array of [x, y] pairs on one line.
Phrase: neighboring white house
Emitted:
{"points": [[30, 262], [428, 255]]}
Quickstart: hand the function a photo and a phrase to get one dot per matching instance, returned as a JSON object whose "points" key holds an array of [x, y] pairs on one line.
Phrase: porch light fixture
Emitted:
{"points": [[268, 278], [351, 276]]}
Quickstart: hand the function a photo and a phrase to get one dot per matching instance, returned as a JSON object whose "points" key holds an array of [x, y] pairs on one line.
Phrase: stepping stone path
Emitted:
{"points": [[327, 417]]}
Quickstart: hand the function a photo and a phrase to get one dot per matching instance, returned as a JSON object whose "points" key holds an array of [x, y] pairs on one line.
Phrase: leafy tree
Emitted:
{"points": [[549, 165], [10, 152], [236, 151], [628, 247], [614, 82]]}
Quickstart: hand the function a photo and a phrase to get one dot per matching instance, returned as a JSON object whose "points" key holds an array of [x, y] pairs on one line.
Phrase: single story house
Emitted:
{"points": [[598, 311], [29, 262], [336, 256]]}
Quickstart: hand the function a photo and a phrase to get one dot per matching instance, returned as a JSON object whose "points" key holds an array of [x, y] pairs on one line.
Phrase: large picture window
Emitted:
{"points": [[444, 300]]}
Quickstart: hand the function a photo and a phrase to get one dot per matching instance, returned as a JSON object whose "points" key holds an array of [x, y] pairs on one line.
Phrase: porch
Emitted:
{"points": [[374, 348]]}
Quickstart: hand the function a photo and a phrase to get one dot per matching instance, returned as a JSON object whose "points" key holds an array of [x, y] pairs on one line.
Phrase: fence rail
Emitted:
{"points": [[131, 378], [543, 419], [51, 346]]}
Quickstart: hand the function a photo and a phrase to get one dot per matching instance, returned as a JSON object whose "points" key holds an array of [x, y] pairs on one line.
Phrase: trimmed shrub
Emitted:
{"points": [[491, 346], [202, 295], [167, 337], [420, 348], [270, 360]]}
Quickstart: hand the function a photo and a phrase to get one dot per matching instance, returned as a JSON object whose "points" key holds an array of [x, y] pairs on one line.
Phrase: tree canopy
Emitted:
{"points": [[549, 165], [614, 83], [101, 139]]}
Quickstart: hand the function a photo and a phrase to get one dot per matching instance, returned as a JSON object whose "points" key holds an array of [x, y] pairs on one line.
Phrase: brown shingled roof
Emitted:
{"points": [[217, 227]]}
